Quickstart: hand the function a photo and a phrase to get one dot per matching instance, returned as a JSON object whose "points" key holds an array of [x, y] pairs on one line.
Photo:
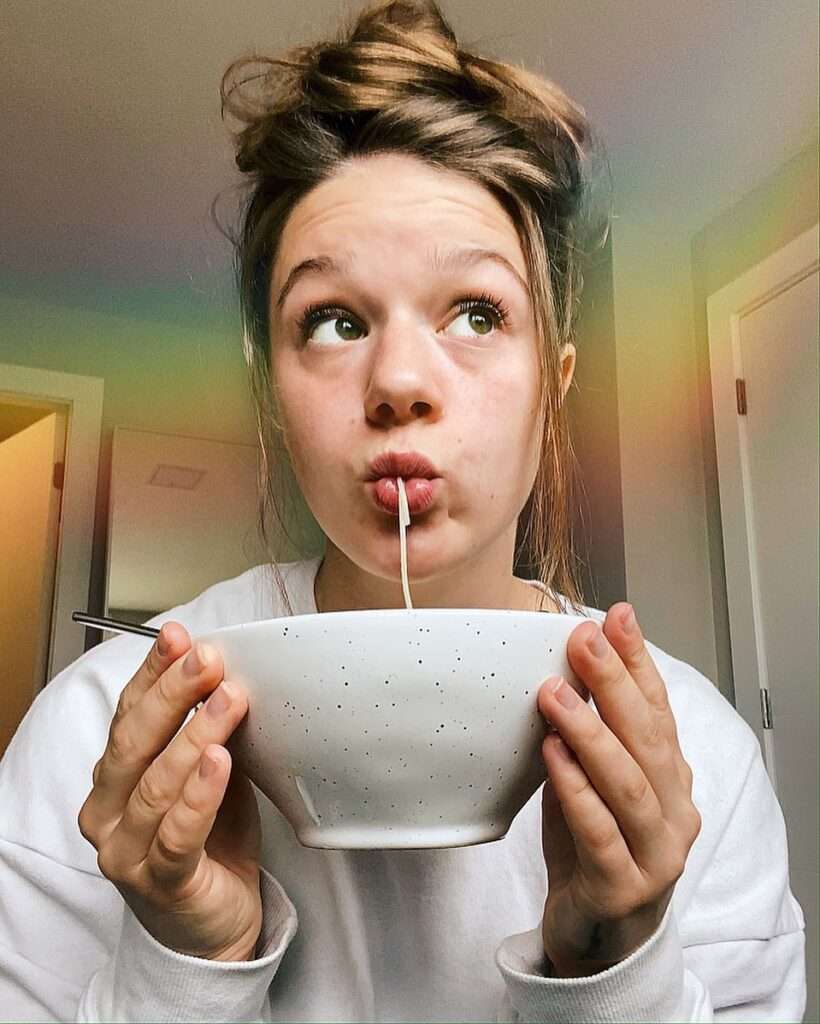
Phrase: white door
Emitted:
{"points": [[763, 340], [26, 568], [79, 437]]}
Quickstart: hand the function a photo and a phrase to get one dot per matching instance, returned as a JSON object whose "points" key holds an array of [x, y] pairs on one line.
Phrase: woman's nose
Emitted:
{"points": [[403, 380]]}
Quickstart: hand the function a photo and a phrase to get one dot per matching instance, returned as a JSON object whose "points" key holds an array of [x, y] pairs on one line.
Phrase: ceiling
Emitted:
{"points": [[114, 149], [14, 418]]}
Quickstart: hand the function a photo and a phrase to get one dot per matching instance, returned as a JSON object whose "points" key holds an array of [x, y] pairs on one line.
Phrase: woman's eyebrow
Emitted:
{"points": [[440, 261]]}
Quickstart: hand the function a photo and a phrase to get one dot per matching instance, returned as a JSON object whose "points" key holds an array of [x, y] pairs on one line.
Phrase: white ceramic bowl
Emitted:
{"points": [[395, 728]]}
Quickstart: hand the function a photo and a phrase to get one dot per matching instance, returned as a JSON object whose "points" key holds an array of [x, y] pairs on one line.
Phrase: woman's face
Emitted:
{"points": [[394, 366]]}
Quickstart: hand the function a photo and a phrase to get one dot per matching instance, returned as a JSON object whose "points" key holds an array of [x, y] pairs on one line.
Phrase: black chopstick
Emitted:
{"points": [[114, 625]]}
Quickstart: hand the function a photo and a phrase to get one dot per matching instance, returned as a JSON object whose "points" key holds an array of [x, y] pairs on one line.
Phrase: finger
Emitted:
{"points": [[557, 843], [617, 778], [160, 786], [621, 703], [178, 845], [599, 844], [173, 641], [236, 836], [629, 643], [149, 726], [630, 647]]}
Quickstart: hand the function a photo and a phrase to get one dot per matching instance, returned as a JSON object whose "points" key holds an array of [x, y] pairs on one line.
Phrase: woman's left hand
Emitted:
{"points": [[617, 811]]}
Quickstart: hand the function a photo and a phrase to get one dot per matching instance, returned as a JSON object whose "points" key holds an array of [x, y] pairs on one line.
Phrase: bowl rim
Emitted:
{"points": [[410, 613]]}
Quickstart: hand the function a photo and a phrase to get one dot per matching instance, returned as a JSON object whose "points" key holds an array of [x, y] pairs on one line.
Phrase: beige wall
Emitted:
{"points": [[171, 363], [649, 521], [641, 411], [592, 405], [663, 270]]}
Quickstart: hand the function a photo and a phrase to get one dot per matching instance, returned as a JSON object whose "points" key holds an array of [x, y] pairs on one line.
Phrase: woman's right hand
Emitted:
{"points": [[182, 849]]}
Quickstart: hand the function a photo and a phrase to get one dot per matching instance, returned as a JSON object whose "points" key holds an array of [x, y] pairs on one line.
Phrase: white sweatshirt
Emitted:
{"points": [[383, 935]]}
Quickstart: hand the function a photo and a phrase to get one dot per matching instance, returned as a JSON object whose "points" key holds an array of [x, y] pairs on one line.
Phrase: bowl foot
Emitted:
{"points": [[404, 837]]}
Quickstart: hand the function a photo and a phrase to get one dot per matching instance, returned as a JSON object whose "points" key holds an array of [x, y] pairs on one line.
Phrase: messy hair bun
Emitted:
{"points": [[396, 80]]}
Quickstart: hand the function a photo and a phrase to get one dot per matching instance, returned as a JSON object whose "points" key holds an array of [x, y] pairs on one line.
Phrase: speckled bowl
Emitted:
{"points": [[395, 728]]}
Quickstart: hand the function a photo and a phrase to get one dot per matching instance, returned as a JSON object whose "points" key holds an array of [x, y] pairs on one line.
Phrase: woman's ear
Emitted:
{"points": [[567, 369]]}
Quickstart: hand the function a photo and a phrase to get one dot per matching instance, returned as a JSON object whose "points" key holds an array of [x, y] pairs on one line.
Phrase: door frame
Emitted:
{"points": [[785, 267], [82, 398]]}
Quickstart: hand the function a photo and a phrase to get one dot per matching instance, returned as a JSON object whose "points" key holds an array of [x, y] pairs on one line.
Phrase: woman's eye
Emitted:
{"points": [[482, 316], [478, 319], [337, 326]]}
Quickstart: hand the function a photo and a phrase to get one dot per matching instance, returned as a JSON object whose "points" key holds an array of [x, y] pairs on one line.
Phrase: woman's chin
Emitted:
{"points": [[426, 553]]}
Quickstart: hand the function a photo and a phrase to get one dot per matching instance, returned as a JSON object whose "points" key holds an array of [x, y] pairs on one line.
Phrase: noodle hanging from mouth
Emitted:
{"points": [[404, 521]]}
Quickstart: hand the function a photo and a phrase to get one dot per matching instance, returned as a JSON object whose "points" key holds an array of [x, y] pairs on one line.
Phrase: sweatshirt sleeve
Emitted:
{"points": [[731, 945], [143, 980], [70, 948]]}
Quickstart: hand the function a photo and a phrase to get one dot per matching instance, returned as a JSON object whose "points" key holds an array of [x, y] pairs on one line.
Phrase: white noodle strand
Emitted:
{"points": [[404, 521]]}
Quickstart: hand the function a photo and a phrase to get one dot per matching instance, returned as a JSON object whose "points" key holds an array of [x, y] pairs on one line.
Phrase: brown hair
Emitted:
{"points": [[396, 80]]}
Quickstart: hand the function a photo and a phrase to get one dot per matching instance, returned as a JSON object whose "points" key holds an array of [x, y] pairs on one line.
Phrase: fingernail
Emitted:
{"points": [[219, 701], [564, 750], [564, 693], [163, 644], [597, 643], [198, 657], [628, 621]]}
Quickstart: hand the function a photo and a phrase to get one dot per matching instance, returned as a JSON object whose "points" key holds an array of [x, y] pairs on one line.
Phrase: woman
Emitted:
{"points": [[408, 273]]}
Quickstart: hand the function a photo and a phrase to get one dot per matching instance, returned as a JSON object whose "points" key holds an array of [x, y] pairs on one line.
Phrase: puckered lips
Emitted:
{"points": [[421, 481]]}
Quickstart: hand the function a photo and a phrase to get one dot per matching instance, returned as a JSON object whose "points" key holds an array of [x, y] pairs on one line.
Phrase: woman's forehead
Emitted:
{"points": [[400, 201], [439, 259], [342, 231]]}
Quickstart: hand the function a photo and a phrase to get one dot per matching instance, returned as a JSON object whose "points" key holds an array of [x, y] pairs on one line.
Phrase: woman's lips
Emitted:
{"points": [[420, 492]]}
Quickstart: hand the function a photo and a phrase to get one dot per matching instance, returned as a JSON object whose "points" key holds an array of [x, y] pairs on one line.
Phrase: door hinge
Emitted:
{"points": [[766, 708], [740, 388], [59, 475]]}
